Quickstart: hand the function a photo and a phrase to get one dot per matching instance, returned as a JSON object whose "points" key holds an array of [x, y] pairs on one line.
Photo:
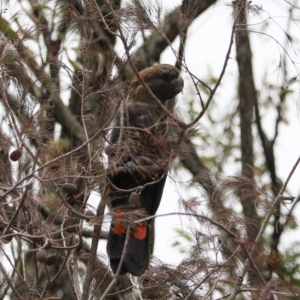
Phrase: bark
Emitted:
{"points": [[247, 97]]}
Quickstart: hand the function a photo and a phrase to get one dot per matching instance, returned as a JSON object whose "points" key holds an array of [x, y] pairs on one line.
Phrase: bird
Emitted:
{"points": [[139, 152]]}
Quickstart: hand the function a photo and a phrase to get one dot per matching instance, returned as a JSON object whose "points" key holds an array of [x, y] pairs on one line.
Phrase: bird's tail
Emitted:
{"points": [[136, 258]]}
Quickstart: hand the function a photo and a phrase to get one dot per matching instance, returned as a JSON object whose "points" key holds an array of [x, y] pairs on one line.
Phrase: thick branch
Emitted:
{"points": [[247, 96], [156, 44]]}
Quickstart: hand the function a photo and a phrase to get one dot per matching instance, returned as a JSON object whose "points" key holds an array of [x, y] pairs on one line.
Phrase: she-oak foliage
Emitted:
{"points": [[72, 128]]}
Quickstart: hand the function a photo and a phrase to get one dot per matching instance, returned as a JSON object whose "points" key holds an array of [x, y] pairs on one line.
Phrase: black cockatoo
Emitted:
{"points": [[139, 155]]}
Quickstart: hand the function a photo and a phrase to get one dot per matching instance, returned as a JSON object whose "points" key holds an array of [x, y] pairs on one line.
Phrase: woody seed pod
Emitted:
{"points": [[41, 256], [134, 199], [15, 155], [70, 188], [51, 260]]}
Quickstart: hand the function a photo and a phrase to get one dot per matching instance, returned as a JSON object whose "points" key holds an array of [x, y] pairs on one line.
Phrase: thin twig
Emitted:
{"points": [[13, 266], [56, 275], [120, 264], [58, 158], [192, 215], [227, 57], [93, 251], [17, 130], [209, 274], [262, 230], [137, 74], [8, 280], [16, 212]]}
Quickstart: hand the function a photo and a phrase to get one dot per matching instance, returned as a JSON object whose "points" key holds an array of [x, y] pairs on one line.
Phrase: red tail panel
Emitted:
{"points": [[119, 227], [140, 232]]}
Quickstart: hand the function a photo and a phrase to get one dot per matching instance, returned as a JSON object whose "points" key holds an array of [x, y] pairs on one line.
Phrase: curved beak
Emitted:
{"points": [[178, 84]]}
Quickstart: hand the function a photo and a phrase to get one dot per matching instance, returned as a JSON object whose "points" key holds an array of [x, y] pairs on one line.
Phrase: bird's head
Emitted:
{"points": [[163, 80]]}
